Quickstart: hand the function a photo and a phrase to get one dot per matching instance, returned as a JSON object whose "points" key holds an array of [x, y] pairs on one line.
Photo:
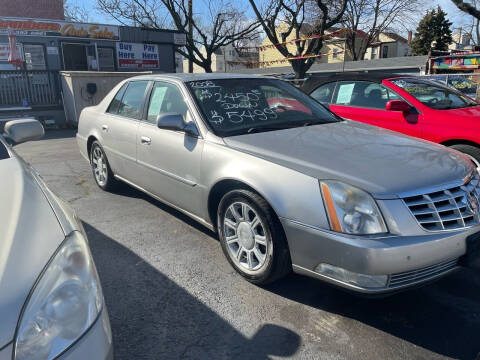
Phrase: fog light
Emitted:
{"points": [[362, 280]]}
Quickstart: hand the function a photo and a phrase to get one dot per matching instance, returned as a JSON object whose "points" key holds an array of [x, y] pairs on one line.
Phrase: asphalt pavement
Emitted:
{"points": [[171, 294]]}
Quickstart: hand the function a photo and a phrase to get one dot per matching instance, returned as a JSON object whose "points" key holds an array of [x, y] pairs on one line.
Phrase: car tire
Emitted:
{"points": [[471, 151], [252, 237], [103, 176]]}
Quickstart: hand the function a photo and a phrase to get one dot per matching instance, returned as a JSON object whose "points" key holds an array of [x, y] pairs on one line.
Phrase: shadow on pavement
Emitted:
{"points": [[153, 318], [58, 134], [443, 317]]}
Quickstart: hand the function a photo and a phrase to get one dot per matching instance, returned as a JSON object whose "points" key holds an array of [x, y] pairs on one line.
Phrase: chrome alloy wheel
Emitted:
{"points": [[245, 236], [99, 165]]}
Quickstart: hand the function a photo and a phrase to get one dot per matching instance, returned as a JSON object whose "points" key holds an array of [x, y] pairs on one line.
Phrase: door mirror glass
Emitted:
{"points": [[22, 130], [398, 105], [176, 122]]}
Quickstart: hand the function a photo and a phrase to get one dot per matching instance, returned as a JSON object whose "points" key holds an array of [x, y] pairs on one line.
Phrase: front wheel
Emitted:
{"points": [[100, 168], [252, 238]]}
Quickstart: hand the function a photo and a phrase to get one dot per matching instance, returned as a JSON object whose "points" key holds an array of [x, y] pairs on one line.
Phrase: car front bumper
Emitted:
{"points": [[95, 344], [407, 261]]}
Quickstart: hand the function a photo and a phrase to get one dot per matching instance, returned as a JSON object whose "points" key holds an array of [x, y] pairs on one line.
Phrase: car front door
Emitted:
{"points": [[119, 126], [366, 102], [169, 161]]}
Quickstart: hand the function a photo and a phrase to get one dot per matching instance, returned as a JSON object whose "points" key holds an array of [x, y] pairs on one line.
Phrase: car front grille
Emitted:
{"points": [[409, 277], [449, 209]]}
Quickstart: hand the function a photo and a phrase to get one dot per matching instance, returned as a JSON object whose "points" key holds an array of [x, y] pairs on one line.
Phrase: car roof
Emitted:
{"points": [[185, 77], [315, 80]]}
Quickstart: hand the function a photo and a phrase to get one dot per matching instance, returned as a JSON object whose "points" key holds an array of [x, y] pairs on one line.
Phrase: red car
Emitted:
{"points": [[410, 105]]}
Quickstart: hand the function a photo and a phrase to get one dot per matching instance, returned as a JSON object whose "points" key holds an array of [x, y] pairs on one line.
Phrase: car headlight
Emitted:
{"points": [[63, 304], [351, 210]]}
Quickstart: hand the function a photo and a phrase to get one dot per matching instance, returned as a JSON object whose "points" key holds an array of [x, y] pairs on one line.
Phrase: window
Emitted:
{"points": [[374, 52], [34, 57], [131, 104], [335, 53], [113, 108], [240, 106], [434, 95], [323, 94], [165, 98], [106, 59], [363, 94], [385, 51]]}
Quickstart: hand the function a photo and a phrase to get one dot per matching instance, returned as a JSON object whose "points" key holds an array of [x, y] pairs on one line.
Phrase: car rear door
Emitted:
{"points": [[119, 126], [169, 161], [366, 101]]}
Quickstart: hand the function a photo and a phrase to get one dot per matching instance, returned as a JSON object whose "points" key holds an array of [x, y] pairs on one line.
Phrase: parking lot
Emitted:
{"points": [[171, 294]]}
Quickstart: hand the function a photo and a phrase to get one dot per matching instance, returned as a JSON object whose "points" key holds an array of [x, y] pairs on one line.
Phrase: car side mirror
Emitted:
{"points": [[22, 130], [398, 105], [176, 122]]}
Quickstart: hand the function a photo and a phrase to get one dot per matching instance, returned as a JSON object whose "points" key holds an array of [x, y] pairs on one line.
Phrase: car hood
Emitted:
{"points": [[384, 163], [29, 235]]}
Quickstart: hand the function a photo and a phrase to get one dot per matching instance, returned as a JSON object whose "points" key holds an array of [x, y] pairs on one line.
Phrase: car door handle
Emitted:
{"points": [[145, 140], [105, 128]]}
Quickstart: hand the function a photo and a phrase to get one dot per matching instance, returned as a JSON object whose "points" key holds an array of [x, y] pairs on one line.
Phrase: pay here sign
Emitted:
{"points": [[137, 56]]}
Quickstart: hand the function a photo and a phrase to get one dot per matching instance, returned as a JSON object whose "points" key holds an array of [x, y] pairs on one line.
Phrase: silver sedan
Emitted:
{"points": [[285, 183], [51, 303]]}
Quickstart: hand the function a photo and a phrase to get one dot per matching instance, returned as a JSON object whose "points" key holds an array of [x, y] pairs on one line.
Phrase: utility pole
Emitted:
{"points": [[190, 35]]}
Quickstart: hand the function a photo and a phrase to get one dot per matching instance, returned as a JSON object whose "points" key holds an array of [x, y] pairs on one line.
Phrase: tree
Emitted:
{"points": [[468, 7], [293, 14], [75, 12], [220, 23], [367, 19], [434, 27]]}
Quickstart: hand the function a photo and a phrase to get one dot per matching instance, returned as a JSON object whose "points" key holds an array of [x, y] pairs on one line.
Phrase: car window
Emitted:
{"points": [[131, 104], [433, 94], [324, 93], [244, 105], [3, 151], [165, 98], [363, 94], [113, 107]]}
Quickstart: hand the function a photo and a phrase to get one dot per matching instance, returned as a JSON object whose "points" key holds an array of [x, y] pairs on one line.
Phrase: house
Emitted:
{"points": [[227, 59], [388, 45], [332, 49], [461, 41]]}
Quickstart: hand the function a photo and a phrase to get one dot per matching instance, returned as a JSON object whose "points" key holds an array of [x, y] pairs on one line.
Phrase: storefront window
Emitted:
{"points": [[34, 57], [106, 59]]}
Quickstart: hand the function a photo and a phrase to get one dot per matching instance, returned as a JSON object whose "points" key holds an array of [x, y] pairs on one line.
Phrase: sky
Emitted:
{"points": [[96, 16]]}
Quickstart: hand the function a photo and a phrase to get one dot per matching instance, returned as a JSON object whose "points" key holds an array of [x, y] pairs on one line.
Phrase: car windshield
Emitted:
{"points": [[434, 95], [241, 106]]}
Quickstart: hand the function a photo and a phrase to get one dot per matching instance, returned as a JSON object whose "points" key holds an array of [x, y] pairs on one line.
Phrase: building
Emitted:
{"points": [[332, 50], [461, 41], [37, 9], [226, 59], [389, 45], [49, 46]]}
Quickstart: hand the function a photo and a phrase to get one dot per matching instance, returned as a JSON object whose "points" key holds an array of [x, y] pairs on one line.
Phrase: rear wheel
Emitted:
{"points": [[101, 170], [471, 151], [252, 238]]}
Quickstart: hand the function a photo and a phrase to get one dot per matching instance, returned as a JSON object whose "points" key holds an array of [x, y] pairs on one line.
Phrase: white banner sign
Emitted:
{"points": [[137, 56]]}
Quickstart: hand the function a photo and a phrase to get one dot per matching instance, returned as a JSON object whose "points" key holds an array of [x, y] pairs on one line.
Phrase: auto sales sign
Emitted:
{"points": [[137, 56], [29, 27]]}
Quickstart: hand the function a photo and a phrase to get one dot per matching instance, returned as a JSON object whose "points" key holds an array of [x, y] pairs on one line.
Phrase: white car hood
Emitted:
{"points": [[29, 235]]}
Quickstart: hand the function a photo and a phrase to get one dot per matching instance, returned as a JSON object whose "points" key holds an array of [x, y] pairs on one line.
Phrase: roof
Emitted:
{"points": [[185, 77], [315, 81], [395, 63]]}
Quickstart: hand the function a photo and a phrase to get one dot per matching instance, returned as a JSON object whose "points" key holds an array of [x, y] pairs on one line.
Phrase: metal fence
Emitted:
{"points": [[29, 88], [466, 83]]}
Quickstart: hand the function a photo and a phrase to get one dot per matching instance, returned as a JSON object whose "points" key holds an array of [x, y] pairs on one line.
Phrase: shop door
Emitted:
{"points": [[74, 57]]}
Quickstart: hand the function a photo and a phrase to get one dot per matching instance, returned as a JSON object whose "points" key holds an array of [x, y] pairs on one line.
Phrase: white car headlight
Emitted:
{"points": [[351, 210], [64, 303]]}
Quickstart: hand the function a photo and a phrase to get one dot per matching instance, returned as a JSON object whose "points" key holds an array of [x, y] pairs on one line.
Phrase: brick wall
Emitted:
{"points": [[37, 9]]}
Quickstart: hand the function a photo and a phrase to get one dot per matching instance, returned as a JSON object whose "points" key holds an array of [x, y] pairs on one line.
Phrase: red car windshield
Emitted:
{"points": [[434, 95]]}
